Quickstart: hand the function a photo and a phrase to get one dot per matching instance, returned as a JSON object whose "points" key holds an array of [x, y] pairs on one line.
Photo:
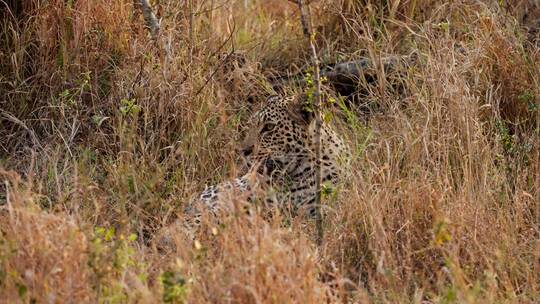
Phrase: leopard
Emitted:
{"points": [[279, 151]]}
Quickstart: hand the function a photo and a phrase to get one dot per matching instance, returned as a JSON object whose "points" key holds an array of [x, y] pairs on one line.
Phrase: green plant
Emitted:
{"points": [[111, 256], [174, 287]]}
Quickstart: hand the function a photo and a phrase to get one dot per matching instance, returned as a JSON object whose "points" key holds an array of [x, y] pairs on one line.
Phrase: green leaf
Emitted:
{"points": [[109, 234], [22, 290]]}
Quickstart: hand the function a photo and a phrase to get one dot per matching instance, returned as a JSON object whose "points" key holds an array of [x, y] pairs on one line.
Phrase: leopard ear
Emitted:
{"points": [[301, 111], [254, 102], [273, 99]]}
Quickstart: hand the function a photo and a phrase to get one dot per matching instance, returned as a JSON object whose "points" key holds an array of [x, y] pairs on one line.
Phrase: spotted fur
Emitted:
{"points": [[280, 150]]}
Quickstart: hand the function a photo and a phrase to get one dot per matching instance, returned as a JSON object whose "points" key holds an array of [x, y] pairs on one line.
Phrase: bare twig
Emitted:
{"points": [[221, 63], [10, 12], [150, 18], [191, 42], [305, 18], [17, 121], [214, 72]]}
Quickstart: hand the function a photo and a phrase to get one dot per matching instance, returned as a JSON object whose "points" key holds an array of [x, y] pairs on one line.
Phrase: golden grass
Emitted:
{"points": [[106, 134]]}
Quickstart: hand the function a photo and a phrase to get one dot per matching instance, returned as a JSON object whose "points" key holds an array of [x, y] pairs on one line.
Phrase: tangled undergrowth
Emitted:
{"points": [[105, 134]]}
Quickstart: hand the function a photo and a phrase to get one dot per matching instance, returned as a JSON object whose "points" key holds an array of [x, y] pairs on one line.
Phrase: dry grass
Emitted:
{"points": [[105, 135]]}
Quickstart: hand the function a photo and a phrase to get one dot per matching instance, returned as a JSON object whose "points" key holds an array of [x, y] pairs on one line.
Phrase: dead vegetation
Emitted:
{"points": [[106, 132]]}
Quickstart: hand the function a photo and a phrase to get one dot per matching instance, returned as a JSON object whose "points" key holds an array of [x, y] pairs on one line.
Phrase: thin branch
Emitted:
{"points": [[17, 121], [150, 18], [221, 63], [305, 18], [191, 42]]}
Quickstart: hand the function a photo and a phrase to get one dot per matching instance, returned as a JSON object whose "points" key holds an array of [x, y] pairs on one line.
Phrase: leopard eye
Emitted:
{"points": [[267, 127]]}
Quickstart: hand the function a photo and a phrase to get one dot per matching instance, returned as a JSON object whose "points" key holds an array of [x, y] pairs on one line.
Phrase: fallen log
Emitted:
{"points": [[349, 78]]}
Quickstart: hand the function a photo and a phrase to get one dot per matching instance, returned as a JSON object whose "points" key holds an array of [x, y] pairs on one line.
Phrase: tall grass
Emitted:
{"points": [[106, 134]]}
